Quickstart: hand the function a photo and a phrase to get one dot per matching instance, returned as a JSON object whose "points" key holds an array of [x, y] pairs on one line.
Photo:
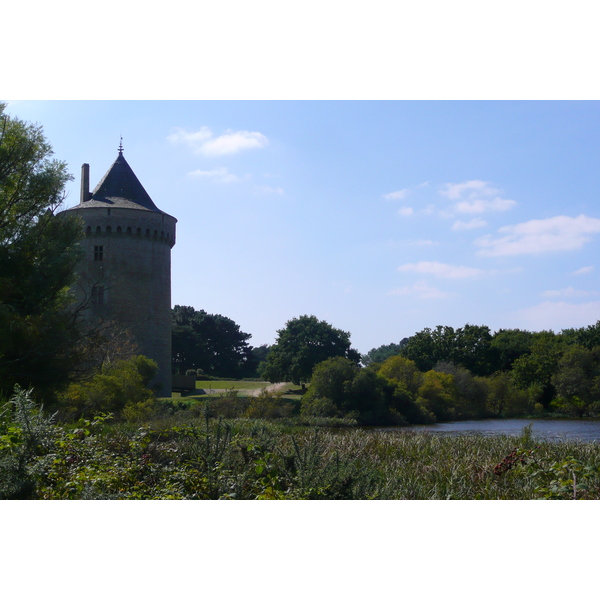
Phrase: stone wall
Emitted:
{"points": [[126, 277]]}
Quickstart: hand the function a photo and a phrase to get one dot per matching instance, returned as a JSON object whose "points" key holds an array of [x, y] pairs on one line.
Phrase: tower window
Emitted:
{"points": [[98, 252], [98, 295]]}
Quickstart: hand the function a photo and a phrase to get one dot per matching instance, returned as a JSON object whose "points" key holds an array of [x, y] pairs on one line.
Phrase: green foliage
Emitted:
{"points": [[213, 343], [588, 337], [402, 370], [338, 388], [577, 381], [382, 353], [569, 479], [538, 367], [329, 383], [120, 388], [38, 255], [508, 345], [25, 434], [472, 392], [269, 405], [468, 346], [504, 398], [202, 457], [301, 345], [438, 395]]}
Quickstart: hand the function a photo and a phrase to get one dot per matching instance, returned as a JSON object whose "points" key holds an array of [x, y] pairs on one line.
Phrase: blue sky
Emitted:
{"points": [[380, 217]]}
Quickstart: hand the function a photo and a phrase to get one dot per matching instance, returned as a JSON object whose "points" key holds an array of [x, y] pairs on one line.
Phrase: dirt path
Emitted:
{"points": [[276, 387]]}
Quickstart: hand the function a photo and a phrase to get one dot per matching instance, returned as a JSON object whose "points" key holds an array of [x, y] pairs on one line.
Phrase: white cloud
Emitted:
{"points": [[421, 290], [192, 138], [219, 175], [470, 189], [472, 224], [583, 271], [399, 195], [568, 292], [480, 206], [231, 142], [558, 315], [541, 235], [267, 189], [420, 243], [406, 211], [441, 270], [475, 197]]}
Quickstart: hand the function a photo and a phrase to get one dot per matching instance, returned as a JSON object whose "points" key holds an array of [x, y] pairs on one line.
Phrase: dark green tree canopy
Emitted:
{"points": [[382, 353], [213, 343], [468, 346], [39, 330], [510, 344], [302, 344]]}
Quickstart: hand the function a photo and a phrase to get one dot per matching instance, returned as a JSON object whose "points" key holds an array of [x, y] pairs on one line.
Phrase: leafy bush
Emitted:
{"points": [[268, 405], [120, 388], [25, 432]]}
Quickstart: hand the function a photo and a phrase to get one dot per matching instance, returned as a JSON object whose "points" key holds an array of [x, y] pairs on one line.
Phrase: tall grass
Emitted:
{"points": [[204, 456]]}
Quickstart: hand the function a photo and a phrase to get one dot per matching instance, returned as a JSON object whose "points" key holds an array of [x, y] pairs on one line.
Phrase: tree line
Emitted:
{"points": [[470, 372], [436, 374]]}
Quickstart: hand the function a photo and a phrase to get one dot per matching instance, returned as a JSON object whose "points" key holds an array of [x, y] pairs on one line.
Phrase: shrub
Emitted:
{"points": [[119, 388], [227, 405], [268, 405]]}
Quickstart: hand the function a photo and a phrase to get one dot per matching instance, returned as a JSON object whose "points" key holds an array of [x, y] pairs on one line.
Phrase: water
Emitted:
{"points": [[549, 429]]}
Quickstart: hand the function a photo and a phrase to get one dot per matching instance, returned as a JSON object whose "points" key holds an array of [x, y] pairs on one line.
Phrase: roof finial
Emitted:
{"points": [[121, 146]]}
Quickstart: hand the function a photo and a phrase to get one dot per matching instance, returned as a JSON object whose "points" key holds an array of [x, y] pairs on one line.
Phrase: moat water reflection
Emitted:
{"points": [[550, 429]]}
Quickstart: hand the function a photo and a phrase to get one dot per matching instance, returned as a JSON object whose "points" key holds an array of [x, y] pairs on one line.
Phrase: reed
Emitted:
{"points": [[202, 456]]}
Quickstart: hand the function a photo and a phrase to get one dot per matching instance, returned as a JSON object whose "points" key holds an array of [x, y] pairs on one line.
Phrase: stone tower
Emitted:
{"points": [[126, 273]]}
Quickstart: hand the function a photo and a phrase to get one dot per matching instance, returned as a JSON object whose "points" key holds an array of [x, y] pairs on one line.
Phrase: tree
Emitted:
{"points": [[330, 378], [471, 391], [468, 346], [508, 345], [427, 347], [301, 345], [577, 381], [472, 349], [438, 394], [39, 328], [588, 337], [213, 343], [381, 353], [504, 398], [402, 370], [535, 370]]}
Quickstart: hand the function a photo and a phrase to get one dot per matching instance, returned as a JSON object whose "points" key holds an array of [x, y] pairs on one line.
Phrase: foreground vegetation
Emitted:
{"points": [[197, 455]]}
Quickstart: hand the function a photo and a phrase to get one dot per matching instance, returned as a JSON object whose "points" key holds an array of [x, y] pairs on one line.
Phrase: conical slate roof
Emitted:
{"points": [[120, 188]]}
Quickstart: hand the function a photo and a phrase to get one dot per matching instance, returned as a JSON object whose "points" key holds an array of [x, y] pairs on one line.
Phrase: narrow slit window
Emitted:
{"points": [[98, 253], [98, 295]]}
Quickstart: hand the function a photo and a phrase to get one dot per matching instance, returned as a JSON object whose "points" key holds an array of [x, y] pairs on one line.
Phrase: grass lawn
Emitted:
{"points": [[290, 391], [228, 384]]}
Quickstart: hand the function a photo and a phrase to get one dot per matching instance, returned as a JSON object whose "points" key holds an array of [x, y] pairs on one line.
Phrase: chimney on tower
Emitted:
{"points": [[85, 182]]}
